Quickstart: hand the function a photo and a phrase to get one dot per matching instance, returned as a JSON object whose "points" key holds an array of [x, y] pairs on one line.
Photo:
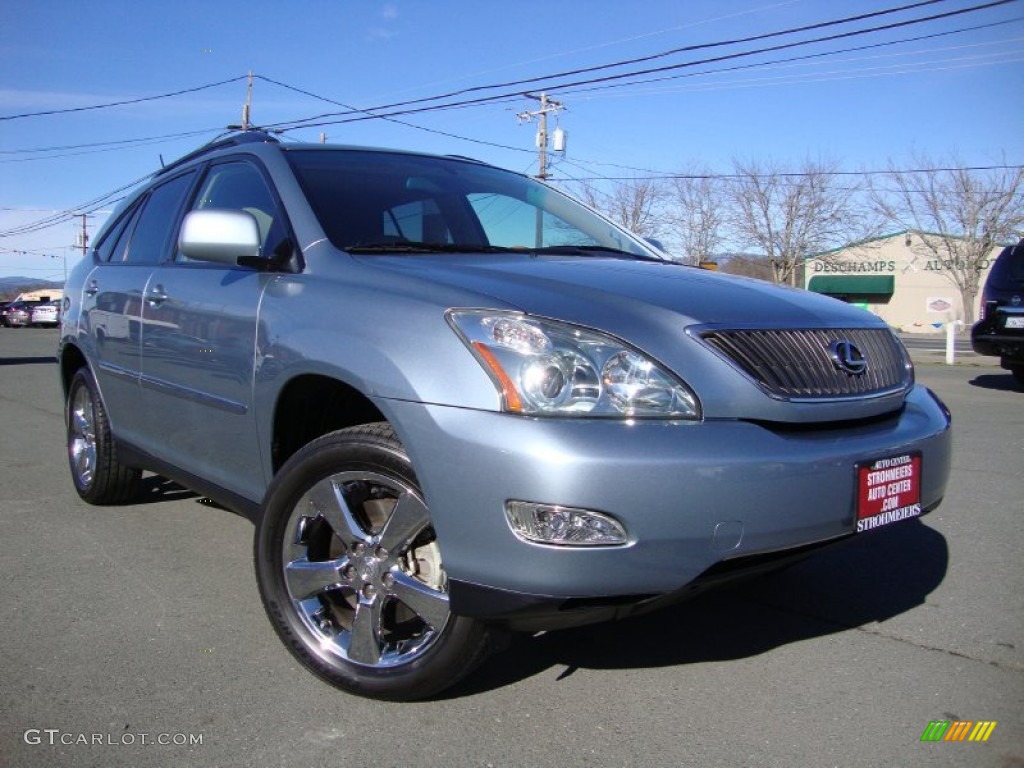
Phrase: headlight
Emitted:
{"points": [[544, 367]]}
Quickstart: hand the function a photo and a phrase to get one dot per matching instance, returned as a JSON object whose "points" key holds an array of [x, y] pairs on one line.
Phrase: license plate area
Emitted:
{"points": [[1014, 321], [888, 490]]}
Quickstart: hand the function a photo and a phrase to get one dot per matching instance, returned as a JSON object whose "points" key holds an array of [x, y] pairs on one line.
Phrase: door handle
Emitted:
{"points": [[157, 295]]}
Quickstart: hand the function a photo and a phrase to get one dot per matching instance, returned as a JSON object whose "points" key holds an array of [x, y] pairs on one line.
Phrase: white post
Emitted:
{"points": [[951, 328]]}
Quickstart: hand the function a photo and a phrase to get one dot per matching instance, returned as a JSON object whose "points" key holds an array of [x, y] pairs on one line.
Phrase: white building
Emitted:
{"points": [[42, 294], [896, 277]]}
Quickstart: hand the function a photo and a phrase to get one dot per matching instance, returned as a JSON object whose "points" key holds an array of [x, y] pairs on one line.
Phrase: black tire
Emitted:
{"points": [[350, 573], [98, 476], [1018, 374]]}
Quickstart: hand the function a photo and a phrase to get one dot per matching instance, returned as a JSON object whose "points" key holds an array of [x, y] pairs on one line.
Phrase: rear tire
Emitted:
{"points": [[350, 571], [1018, 374], [99, 477]]}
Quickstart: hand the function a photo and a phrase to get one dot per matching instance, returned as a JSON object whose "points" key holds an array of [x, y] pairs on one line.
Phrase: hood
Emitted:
{"points": [[652, 306], [597, 290]]}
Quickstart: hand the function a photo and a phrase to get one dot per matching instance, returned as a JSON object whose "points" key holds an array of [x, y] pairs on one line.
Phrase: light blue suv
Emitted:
{"points": [[456, 401]]}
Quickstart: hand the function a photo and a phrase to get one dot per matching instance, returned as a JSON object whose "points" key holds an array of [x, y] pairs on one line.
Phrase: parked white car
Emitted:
{"points": [[47, 314]]}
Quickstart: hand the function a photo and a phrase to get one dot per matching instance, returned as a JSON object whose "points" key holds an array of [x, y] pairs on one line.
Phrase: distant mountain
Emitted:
{"points": [[10, 287], [6, 281]]}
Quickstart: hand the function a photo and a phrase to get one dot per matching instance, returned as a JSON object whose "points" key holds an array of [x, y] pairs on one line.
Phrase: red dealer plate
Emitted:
{"points": [[888, 490]]}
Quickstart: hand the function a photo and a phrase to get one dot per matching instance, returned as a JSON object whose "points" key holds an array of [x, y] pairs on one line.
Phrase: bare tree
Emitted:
{"points": [[790, 215], [635, 203], [747, 266], [698, 214], [959, 214]]}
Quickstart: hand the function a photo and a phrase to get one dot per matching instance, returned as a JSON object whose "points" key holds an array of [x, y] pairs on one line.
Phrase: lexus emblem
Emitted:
{"points": [[847, 358], [1015, 301]]}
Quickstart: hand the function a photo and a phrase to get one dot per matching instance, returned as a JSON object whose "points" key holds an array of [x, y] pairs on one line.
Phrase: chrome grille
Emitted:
{"points": [[795, 364]]}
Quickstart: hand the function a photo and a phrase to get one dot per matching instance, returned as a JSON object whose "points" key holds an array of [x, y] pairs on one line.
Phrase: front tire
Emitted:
{"points": [[99, 477], [350, 571]]}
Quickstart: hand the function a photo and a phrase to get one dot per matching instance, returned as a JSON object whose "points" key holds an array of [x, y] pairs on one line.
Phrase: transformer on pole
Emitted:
{"points": [[547, 106]]}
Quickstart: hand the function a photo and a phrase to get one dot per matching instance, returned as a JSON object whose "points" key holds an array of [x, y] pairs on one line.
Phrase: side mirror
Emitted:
{"points": [[220, 236]]}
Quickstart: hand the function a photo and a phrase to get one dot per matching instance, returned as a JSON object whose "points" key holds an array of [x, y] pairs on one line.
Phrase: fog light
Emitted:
{"points": [[563, 526]]}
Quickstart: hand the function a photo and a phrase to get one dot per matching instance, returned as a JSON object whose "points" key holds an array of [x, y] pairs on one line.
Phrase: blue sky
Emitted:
{"points": [[962, 92]]}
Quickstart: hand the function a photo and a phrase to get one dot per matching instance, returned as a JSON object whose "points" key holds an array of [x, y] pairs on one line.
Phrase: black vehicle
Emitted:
{"points": [[1000, 332]]}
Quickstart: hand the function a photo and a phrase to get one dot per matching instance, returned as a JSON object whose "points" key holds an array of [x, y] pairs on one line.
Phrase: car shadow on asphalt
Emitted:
{"points": [[28, 360], [1004, 382], [156, 488], [866, 579]]}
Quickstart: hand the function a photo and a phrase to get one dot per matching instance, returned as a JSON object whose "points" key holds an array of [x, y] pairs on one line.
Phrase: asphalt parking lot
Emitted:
{"points": [[134, 636]]}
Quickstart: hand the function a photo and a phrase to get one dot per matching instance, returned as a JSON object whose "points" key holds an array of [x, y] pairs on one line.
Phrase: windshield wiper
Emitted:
{"points": [[592, 250], [413, 246]]}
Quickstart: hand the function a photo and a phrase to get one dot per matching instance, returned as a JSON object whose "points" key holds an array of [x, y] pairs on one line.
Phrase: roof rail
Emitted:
{"points": [[235, 139], [466, 157]]}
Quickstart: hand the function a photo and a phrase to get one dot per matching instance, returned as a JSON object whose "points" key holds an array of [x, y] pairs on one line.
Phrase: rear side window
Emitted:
{"points": [[115, 240], [1008, 272], [150, 242]]}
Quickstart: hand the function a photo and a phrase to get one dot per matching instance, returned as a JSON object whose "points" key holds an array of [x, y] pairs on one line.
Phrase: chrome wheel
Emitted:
{"points": [[99, 477], [363, 570], [350, 571], [82, 437]]}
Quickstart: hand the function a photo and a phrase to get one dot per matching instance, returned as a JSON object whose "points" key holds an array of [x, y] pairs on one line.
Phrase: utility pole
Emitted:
{"points": [[83, 240], [547, 106], [248, 105]]}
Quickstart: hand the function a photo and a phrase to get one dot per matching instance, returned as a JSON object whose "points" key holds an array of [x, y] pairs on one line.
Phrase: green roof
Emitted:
{"points": [[847, 285]]}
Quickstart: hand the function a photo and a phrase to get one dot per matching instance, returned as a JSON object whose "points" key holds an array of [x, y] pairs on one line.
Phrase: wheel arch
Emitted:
{"points": [[71, 360], [312, 405]]}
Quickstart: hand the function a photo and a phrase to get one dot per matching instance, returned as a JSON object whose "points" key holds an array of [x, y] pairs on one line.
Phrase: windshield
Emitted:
{"points": [[370, 201]]}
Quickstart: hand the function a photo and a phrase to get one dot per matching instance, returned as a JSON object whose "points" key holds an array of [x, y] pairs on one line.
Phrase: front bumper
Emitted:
{"points": [[690, 495]]}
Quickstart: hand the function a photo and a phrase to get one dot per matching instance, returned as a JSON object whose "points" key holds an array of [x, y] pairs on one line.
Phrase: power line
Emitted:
{"points": [[91, 148], [62, 217], [668, 176], [368, 113], [626, 62], [408, 107], [33, 251], [562, 53], [113, 143], [122, 102], [113, 147], [964, 62], [792, 59], [391, 119], [563, 88]]}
